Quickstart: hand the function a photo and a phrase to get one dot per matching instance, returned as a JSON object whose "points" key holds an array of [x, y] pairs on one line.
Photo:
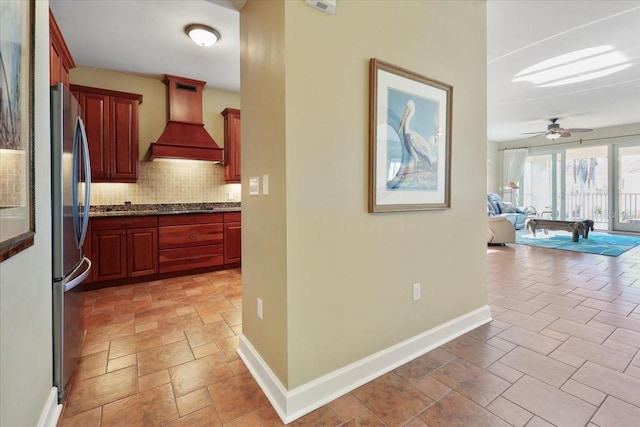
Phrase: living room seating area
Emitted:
{"points": [[497, 207]]}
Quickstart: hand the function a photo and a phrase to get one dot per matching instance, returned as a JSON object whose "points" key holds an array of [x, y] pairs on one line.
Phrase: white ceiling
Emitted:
{"points": [[147, 37], [523, 33]]}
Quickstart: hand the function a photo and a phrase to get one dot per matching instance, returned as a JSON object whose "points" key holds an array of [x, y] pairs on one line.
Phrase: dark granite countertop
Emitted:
{"points": [[106, 211]]}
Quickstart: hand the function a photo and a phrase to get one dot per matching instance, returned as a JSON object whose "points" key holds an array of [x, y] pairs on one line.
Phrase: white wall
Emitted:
{"points": [[25, 279]]}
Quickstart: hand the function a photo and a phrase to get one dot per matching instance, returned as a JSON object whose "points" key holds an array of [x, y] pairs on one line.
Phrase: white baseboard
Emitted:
{"points": [[51, 411], [291, 405]]}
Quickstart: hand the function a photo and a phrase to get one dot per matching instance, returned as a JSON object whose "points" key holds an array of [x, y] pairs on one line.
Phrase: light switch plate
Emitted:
{"points": [[265, 185], [254, 186]]}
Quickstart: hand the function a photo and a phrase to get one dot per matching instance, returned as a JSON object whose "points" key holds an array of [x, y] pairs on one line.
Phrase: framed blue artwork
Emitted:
{"points": [[409, 140]]}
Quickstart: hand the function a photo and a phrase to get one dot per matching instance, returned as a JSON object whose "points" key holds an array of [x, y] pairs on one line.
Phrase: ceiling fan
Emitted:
{"points": [[554, 131]]}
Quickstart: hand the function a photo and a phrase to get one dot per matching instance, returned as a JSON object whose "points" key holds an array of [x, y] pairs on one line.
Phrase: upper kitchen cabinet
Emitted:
{"points": [[231, 145], [111, 123], [60, 60]]}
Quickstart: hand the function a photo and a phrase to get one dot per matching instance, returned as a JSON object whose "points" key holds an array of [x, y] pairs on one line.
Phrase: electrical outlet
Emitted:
{"points": [[230, 196], [417, 294], [259, 308]]}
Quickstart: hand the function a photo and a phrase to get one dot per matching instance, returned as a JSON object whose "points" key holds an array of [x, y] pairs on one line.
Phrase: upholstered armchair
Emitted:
{"points": [[500, 231]]}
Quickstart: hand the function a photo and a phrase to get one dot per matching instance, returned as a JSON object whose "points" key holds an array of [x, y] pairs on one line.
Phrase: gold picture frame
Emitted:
{"points": [[409, 140], [17, 191]]}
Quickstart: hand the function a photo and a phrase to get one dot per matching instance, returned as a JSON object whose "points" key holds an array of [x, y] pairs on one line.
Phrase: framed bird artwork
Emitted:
{"points": [[409, 140]]}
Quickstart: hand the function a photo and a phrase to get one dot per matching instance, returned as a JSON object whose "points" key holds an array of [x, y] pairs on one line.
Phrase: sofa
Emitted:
{"points": [[500, 231], [496, 207]]}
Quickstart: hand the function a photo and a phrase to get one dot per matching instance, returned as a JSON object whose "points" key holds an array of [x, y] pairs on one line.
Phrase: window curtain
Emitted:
{"points": [[513, 164]]}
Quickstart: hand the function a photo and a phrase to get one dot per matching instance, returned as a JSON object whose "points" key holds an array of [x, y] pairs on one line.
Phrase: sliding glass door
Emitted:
{"points": [[541, 184], [587, 185], [569, 184], [626, 215]]}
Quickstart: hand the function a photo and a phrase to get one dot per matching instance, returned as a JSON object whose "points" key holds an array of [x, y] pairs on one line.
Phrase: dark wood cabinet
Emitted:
{"points": [[124, 247], [232, 238], [190, 242], [109, 255], [231, 145], [111, 123], [130, 249], [60, 60]]}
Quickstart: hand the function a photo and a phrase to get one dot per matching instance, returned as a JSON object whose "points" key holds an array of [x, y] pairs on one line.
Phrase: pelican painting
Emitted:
{"points": [[419, 154]]}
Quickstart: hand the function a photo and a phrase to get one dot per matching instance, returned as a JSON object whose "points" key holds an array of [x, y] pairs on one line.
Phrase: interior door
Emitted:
{"points": [[626, 216]]}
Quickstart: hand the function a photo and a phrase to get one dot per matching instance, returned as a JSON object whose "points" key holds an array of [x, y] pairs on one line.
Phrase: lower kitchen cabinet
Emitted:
{"points": [[190, 241], [134, 248], [124, 247], [232, 238]]}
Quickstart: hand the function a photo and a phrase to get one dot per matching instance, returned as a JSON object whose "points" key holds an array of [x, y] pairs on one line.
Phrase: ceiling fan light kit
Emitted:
{"points": [[555, 131]]}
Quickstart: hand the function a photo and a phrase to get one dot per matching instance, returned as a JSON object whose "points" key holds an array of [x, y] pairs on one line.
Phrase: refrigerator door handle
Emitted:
{"points": [[87, 179], [75, 179], [67, 286]]}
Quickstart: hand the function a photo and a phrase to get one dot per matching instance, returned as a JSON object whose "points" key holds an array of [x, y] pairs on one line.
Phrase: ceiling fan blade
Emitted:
{"points": [[578, 130], [537, 133], [566, 133]]}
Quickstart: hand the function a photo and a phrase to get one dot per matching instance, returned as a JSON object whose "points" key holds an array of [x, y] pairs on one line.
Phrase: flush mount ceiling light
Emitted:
{"points": [[202, 35], [574, 67]]}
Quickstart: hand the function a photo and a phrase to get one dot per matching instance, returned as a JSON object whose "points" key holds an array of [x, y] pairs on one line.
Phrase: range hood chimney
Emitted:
{"points": [[185, 136]]}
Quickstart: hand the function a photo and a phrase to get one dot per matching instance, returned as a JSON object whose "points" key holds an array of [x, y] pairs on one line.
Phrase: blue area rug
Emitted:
{"points": [[597, 243]]}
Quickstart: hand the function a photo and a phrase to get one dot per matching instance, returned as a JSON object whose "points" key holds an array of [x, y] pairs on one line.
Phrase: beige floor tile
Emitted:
{"points": [[616, 413], [538, 366], [587, 350], [609, 381], [556, 406], [159, 358], [509, 411], [101, 390], [198, 373], [392, 399], [471, 381], [237, 395], [193, 401], [457, 411], [149, 408], [530, 340], [473, 351]]}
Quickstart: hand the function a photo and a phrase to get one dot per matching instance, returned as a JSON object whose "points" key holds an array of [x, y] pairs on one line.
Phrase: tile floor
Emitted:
{"points": [[563, 349]]}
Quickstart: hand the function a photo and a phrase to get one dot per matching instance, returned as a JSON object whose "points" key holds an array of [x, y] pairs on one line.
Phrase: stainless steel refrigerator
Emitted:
{"points": [[70, 193]]}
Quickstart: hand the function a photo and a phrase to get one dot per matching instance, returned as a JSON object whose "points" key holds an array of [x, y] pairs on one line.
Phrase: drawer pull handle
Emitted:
{"points": [[193, 236], [193, 258], [125, 223]]}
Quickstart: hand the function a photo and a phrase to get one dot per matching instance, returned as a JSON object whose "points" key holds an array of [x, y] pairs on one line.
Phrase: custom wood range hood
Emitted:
{"points": [[185, 136]]}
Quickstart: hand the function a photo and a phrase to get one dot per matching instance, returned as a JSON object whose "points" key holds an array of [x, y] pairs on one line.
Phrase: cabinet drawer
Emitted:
{"points": [[124, 223], [232, 217], [178, 236], [190, 258], [188, 219]]}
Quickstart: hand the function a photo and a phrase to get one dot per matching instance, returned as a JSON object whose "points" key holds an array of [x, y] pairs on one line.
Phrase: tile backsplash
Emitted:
{"points": [[169, 181], [13, 178]]}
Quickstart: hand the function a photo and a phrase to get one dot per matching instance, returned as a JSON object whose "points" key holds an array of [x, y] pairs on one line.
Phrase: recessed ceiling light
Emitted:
{"points": [[202, 35], [574, 67]]}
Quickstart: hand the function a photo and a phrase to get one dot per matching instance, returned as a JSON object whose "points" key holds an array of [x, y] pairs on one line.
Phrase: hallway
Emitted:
{"points": [[563, 349]]}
